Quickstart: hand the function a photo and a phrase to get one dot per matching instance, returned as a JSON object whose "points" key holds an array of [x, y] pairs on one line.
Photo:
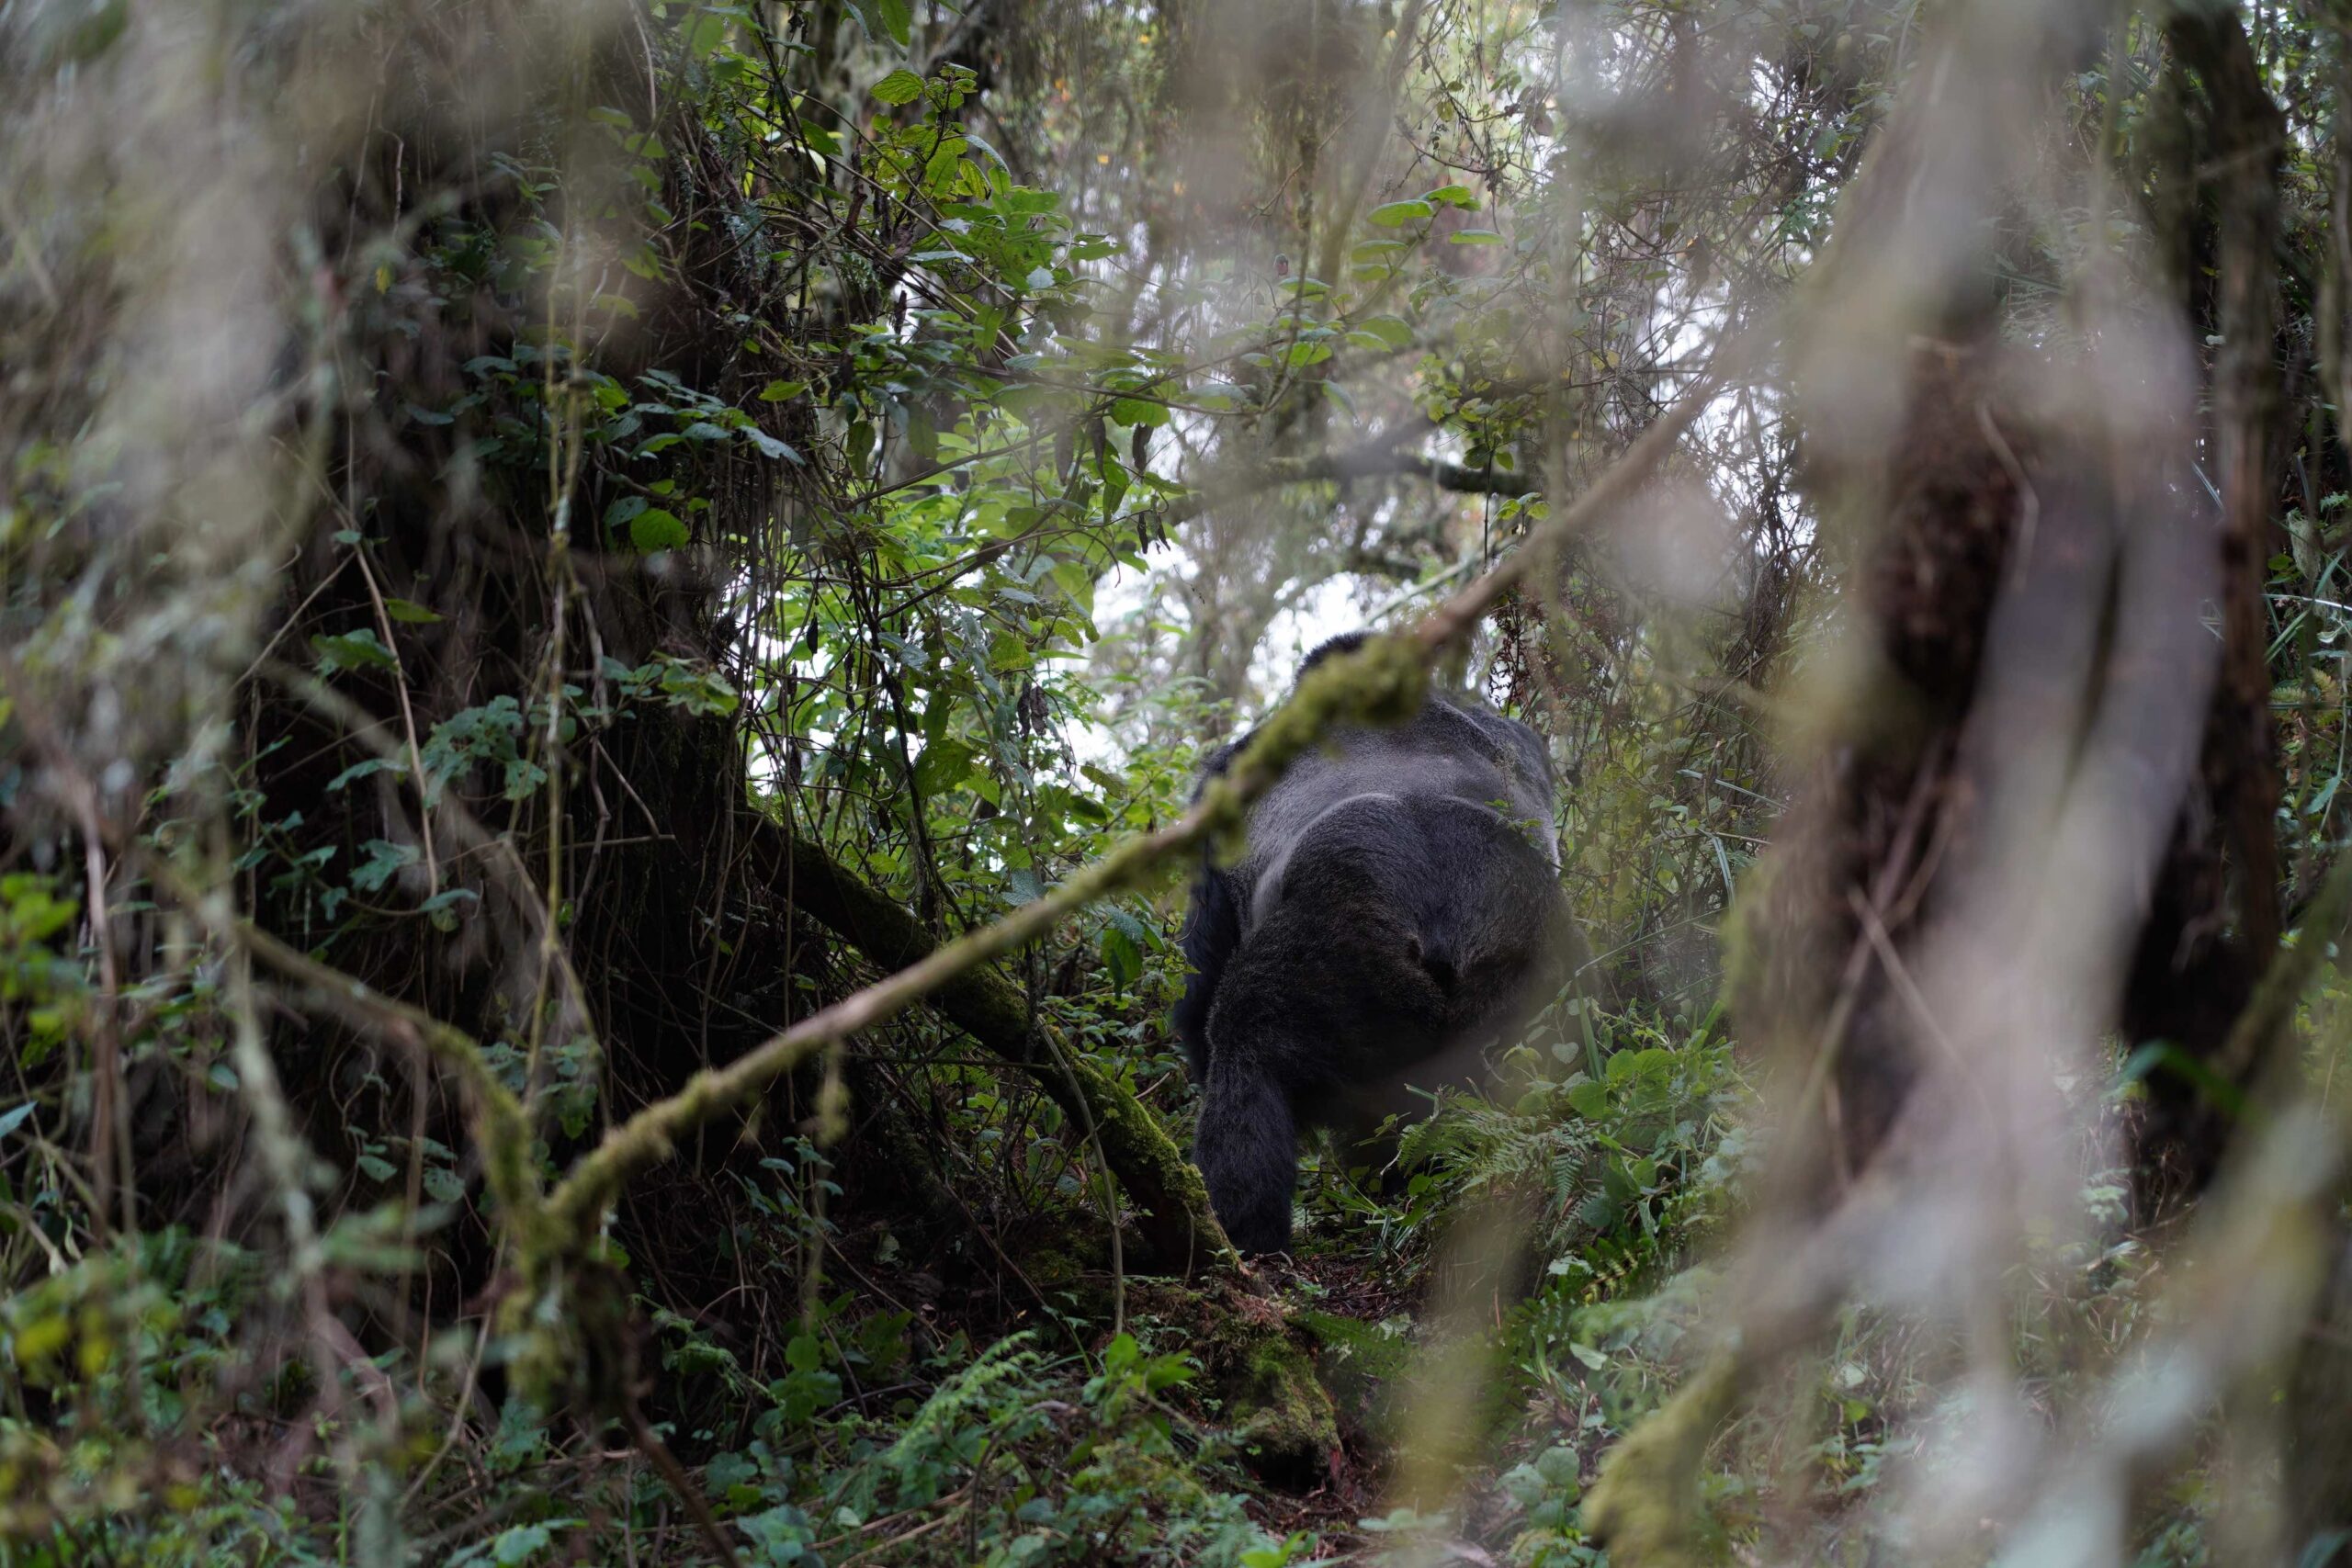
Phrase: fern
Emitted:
{"points": [[999, 1396], [1622, 1167]]}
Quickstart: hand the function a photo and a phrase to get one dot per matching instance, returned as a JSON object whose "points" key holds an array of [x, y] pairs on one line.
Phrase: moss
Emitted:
{"points": [[1255, 1361], [1285, 1418], [1362, 1366], [1050, 1268], [1644, 1506]]}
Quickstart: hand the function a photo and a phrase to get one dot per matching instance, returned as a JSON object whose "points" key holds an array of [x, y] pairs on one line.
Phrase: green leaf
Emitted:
{"points": [[891, 20], [900, 86], [769, 447], [408, 614], [359, 770], [520, 1544], [383, 859], [1122, 957], [1474, 237], [1397, 214], [942, 766], [711, 31], [442, 907], [656, 528], [1136, 412], [1589, 1101], [1454, 196], [353, 651], [782, 391], [1078, 582]]}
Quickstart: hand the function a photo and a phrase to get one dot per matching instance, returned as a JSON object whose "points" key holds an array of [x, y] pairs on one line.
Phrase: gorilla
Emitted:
{"points": [[1396, 906]]}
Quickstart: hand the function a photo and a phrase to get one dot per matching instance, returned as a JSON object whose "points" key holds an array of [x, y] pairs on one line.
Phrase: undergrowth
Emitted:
{"points": [[1619, 1143]]}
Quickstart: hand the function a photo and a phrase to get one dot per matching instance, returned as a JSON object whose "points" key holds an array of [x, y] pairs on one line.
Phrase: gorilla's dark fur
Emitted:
{"points": [[1396, 906]]}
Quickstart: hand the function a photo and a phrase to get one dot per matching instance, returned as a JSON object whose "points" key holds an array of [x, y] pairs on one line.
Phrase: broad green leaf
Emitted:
{"points": [[1136, 410], [1397, 214], [891, 20], [408, 614], [1122, 957], [769, 447], [359, 770], [711, 31], [943, 766], [359, 650], [656, 528], [520, 1544], [900, 86], [384, 858]]}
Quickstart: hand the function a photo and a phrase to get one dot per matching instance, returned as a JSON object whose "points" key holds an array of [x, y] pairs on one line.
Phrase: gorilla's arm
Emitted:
{"points": [[1212, 930]]}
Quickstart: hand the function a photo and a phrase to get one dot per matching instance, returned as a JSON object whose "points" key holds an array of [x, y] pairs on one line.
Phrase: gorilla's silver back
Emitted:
{"points": [[1453, 749]]}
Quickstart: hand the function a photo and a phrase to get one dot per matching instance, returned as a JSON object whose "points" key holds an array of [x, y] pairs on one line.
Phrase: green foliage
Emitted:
{"points": [[43, 985], [1026, 1463]]}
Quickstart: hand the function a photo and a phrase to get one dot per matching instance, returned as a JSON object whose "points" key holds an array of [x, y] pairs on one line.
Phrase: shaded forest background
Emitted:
{"points": [[609, 614]]}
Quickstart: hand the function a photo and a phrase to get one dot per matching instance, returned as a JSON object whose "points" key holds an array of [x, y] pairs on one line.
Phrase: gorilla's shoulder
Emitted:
{"points": [[1451, 723]]}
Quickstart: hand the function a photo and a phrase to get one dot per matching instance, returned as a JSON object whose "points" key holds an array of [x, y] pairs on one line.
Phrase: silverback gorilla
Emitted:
{"points": [[1396, 906]]}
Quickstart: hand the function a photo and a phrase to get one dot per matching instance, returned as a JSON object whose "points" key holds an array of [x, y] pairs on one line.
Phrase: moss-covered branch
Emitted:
{"points": [[1644, 1506], [1177, 1222]]}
